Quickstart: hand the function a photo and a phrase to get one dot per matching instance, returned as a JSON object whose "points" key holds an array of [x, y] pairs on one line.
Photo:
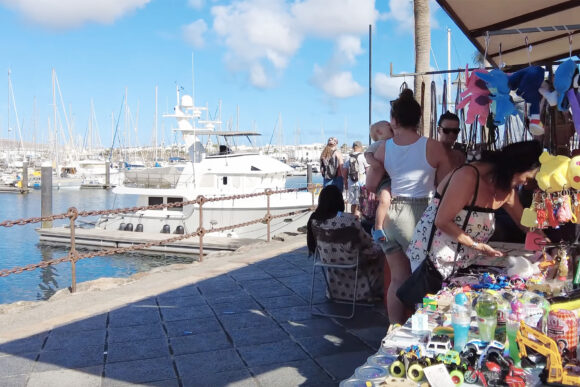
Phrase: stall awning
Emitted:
{"points": [[548, 25]]}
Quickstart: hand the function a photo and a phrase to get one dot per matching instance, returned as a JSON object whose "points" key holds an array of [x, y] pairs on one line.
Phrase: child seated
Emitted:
{"points": [[380, 132]]}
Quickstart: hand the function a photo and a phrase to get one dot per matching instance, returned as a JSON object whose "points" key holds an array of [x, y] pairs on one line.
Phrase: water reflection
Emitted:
{"points": [[48, 284]]}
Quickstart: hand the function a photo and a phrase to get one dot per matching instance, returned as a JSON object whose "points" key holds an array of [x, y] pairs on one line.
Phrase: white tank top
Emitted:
{"points": [[411, 174]]}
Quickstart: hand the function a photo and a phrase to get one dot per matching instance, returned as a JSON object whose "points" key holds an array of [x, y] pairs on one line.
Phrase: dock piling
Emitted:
{"points": [[46, 195]]}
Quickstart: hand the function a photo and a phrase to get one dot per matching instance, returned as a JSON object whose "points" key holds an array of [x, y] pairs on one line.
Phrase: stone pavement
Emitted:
{"points": [[239, 319]]}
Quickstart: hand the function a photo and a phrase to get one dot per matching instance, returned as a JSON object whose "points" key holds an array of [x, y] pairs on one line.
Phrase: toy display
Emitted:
{"points": [[527, 82], [502, 105], [475, 97]]}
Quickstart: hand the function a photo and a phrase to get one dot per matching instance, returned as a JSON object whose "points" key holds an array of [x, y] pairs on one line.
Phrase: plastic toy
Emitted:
{"points": [[410, 362], [487, 365], [438, 344], [526, 82], [555, 371], [501, 106], [476, 95], [455, 365], [553, 173], [563, 80]]}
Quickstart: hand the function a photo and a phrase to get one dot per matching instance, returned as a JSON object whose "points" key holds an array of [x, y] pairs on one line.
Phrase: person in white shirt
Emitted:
{"points": [[354, 176]]}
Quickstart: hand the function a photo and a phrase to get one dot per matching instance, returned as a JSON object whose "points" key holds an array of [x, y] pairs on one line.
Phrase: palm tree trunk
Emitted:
{"points": [[422, 49]]}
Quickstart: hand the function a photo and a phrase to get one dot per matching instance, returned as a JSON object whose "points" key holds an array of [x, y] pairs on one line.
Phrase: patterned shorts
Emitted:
{"points": [[353, 196]]}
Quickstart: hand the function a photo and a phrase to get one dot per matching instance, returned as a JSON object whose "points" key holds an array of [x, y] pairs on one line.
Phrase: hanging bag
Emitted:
{"points": [[426, 278]]}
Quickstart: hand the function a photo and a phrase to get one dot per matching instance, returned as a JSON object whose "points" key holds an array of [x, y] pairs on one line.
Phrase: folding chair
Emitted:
{"points": [[319, 262]]}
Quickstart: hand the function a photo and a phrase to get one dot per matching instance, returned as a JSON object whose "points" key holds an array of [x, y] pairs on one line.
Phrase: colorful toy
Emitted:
{"points": [[502, 105], [553, 174], [573, 100], [527, 82], [563, 81], [476, 95]]}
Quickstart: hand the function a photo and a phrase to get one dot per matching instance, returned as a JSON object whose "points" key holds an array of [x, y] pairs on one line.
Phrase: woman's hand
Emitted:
{"points": [[488, 250]]}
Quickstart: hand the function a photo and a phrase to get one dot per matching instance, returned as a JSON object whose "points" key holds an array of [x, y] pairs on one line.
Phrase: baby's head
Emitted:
{"points": [[381, 130]]}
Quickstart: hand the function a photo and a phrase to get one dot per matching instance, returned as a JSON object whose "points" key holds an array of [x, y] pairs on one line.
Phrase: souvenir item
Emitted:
{"points": [[475, 97], [553, 173], [526, 82], [502, 105]]}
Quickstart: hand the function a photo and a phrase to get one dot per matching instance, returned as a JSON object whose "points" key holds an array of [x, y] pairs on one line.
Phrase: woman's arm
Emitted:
{"points": [[459, 194], [376, 170]]}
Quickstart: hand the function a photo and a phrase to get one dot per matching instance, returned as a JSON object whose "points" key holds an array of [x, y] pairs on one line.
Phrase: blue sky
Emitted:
{"points": [[304, 61]]}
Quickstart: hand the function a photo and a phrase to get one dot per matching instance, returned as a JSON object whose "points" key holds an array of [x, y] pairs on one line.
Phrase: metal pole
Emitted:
{"points": [[46, 195], [200, 228], [370, 78], [107, 174], [72, 213], [268, 193], [24, 183], [308, 175]]}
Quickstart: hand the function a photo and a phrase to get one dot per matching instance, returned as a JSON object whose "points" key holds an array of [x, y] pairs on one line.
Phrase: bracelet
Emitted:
{"points": [[474, 245]]}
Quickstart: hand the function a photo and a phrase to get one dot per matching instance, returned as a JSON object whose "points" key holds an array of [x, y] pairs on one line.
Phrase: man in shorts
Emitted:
{"points": [[354, 174]]}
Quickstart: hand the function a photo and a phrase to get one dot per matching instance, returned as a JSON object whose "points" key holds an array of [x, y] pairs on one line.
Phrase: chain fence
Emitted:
{"points": [[73, 214]]}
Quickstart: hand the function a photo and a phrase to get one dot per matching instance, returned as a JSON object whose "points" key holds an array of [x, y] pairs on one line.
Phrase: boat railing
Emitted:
{"points": [[73, 215]]}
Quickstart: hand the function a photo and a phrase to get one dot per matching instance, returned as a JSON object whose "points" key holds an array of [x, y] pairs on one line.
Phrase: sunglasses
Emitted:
{"points": [[450, 130]]}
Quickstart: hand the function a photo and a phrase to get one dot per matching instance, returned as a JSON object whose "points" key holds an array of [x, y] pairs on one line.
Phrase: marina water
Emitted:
{"points": [[19, 244]]}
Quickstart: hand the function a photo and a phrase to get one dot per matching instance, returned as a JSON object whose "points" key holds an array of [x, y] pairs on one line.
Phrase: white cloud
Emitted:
{"points": [[348, 47], [73, 13], [257, 32], [193, 33], [338, 84], [196, 4], [388, 87], [331, 18], [402, 14]]}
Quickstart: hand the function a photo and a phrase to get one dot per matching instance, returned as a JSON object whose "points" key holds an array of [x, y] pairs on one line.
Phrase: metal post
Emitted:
{"points": [[268, 218], [308, 174], [24, 182], [107, 174], [201, 228], [46, 195], [72, 213]]}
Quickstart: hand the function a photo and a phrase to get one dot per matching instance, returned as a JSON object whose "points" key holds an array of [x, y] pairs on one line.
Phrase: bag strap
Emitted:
{"points": [[433, 228]]}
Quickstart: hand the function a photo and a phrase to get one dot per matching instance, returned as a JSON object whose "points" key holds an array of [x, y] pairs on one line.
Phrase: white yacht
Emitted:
{"points": [[225, 173]]}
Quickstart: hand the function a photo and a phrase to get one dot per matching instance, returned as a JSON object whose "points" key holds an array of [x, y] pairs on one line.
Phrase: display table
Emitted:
{"points": [[436, 319]]}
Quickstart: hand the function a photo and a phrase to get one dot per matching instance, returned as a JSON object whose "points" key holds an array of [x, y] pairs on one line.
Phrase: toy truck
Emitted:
{"points": [[555, 371]]}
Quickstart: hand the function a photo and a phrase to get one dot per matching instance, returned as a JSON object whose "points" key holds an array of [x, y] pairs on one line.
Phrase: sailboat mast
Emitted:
{"points": [[156, 115]]}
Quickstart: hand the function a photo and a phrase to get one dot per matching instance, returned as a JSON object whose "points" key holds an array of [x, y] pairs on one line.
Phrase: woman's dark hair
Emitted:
{"points": [[515, 158], [330, 202], [406, 110], [447, 116]]}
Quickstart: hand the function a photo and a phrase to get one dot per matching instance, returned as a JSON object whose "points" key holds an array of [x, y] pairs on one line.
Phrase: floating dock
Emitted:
{"points": [[101, 239]]}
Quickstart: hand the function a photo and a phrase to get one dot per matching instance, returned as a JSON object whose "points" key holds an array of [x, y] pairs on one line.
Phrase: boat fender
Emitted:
{"points": [[166, 229], [179, 230], [129, 227], [139, 228], [122, 227]]}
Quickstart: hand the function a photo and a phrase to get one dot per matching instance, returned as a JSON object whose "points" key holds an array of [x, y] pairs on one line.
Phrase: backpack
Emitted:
{"points": [[329, 167], [353, 167]]}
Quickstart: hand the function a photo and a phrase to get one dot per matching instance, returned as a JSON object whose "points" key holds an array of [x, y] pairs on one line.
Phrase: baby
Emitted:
{"points": [[380, 132]]}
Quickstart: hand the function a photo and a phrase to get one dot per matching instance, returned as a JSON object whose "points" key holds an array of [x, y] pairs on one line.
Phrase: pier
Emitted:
{"points": [[237, 318]]}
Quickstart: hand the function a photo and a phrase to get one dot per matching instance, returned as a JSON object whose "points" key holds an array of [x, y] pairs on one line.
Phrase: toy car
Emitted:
{"points": [[438, 345], [477, 349], [455, 365]]}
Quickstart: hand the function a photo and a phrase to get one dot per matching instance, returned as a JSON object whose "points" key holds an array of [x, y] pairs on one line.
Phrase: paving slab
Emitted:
{"points": [[137, 350], [86, 377], [296, 373], [141, 371], [235, 319], [202, 342], [285, 350]]}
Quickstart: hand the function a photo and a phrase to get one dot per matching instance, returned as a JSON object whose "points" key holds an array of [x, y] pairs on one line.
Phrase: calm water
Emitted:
{"points": [[19, 244]]}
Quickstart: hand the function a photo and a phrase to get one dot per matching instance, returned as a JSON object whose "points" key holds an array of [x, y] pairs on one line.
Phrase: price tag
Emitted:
{"points": [[437, 376]]}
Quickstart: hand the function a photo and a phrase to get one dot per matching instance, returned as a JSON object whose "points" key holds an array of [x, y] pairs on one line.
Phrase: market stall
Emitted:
{"points": [[511, 320]]}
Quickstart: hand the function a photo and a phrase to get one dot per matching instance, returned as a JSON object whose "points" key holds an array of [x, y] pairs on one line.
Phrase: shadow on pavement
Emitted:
{"points": [[249, 327]]}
